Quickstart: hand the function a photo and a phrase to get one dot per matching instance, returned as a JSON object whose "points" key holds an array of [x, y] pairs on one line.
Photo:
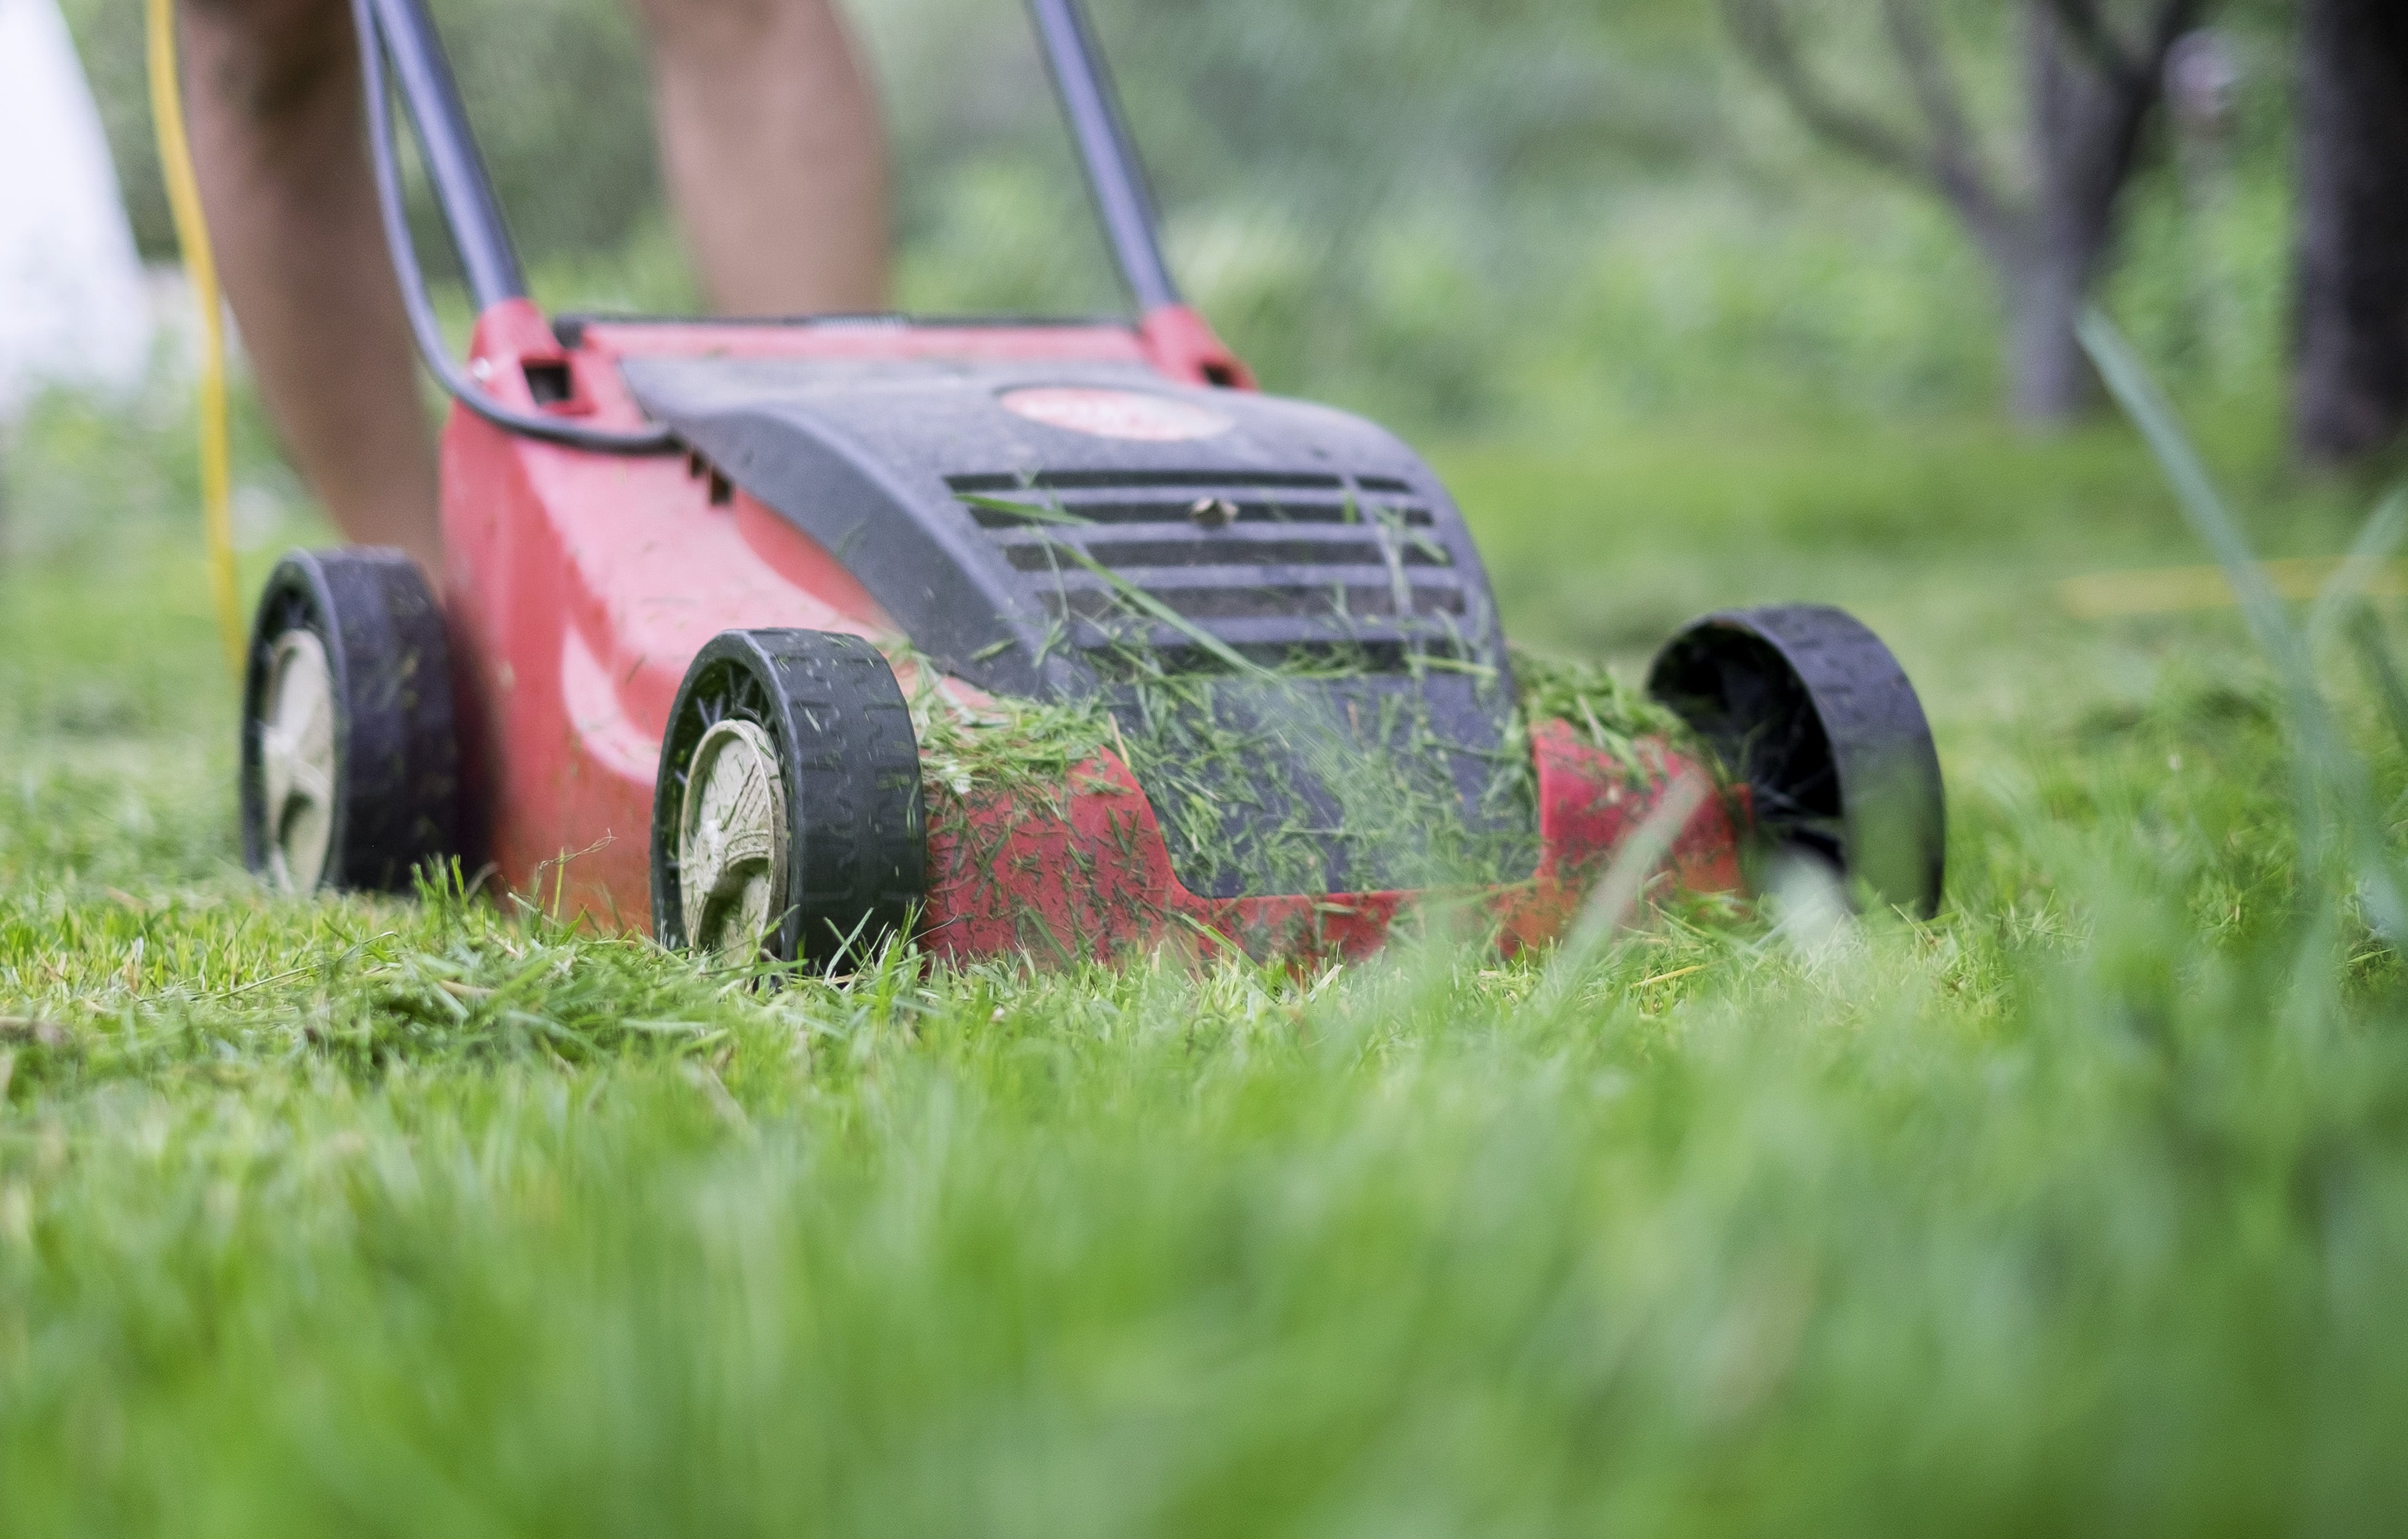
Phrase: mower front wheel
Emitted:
{"points": [[350, 768], [787, 818], [1814, 714]]}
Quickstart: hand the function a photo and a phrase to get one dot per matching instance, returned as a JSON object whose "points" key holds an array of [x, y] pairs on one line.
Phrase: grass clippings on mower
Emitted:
{"points": [[1216, 751]]}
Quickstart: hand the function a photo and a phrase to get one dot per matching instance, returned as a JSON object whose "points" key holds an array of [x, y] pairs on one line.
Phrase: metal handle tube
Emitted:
{"points": [[457, 174], [408, 276], [1114, 174]]}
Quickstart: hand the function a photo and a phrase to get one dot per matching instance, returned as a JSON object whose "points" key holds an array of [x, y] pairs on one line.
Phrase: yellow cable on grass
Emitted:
{"points": [[193, 235]]}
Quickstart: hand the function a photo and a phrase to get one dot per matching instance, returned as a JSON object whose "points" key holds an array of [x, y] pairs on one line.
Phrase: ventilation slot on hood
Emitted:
{"points": [[1074, 481], [1274, 566]]}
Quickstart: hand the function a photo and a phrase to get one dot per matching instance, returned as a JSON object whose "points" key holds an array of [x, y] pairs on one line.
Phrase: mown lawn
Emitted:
{"points": [[2084, 1209]]}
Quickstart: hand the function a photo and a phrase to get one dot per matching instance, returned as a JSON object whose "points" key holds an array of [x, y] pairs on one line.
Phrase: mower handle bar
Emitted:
{"points": [[401, 33], [453, 167], [399, 30], [1115, 175]]}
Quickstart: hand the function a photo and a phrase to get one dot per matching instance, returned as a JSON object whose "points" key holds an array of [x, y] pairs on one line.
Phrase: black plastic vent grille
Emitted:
{"points": [[1074, 481], [1041, 552], [1271, 564], [1005, 510]]}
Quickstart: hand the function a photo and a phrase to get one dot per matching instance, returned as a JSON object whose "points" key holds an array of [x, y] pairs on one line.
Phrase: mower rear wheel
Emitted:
{"points": [[351, 769], [1805, 705], [788, 824]]}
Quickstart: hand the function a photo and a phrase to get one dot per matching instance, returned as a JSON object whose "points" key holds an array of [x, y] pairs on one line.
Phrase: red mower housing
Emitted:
{"points": [[707, 580], [582, 586]]}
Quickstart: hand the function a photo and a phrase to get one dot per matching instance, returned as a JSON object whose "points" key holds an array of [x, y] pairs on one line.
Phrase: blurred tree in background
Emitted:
{"points": [[2047, 223], [2353, 350], [1454, 214]]}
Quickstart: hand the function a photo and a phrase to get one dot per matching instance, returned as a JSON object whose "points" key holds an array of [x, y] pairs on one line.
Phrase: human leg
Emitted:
{"points": [[775, 159], [274, 98], [773, 151]]}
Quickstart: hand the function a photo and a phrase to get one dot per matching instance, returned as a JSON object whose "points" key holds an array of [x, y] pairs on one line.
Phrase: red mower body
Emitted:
{"points": [[716, 590], [581, 585]]}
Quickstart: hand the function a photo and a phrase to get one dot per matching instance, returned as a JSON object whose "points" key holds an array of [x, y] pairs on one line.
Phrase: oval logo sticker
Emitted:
{"points": [[1114, 413]]}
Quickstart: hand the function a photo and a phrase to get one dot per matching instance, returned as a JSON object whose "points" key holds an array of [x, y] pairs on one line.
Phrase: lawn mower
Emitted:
{"points": [[784, 638]]}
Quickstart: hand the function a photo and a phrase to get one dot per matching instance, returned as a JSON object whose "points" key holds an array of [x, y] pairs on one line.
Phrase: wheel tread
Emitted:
{"points": [[858, 862]]}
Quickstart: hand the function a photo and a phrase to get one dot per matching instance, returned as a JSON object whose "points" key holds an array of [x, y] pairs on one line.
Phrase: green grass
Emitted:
{"points": [[2082, 1208]]}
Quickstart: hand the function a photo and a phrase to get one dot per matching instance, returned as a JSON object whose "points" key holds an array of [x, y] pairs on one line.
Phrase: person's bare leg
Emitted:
{"points": [[280, 145], [774, 152]]}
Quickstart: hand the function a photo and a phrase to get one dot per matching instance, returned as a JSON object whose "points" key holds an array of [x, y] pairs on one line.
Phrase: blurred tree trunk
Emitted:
{"points": [[2090, 91], [2351, 388], [2050, 376]]}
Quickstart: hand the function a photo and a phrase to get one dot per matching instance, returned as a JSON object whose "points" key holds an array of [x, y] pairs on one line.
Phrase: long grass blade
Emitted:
{"points": [[1030, 511], [1138, 598], [1617, 892], [2324, 765], [2377, 539]]}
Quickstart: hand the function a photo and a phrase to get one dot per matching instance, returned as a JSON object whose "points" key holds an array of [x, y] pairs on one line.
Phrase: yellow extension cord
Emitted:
{"points": [[192, 237]]}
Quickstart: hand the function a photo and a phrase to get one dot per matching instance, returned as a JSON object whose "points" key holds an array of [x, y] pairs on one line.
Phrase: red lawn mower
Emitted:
{"points": [[712, 583]]}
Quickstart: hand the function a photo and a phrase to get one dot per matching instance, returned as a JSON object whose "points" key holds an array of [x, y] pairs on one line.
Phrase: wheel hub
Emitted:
{"points": [[297, 754], [731, 842]]}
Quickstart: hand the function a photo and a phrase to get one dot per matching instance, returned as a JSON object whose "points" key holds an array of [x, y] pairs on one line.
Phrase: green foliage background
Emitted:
{"points": [[1457, 215]]}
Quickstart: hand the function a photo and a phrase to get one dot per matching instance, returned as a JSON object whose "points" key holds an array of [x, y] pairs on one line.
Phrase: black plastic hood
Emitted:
{"points": [[1034, 528]]}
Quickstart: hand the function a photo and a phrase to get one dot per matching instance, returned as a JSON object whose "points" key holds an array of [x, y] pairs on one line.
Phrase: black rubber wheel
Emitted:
{"points": [[1811, 710], [350, 766], [788, 811]]}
